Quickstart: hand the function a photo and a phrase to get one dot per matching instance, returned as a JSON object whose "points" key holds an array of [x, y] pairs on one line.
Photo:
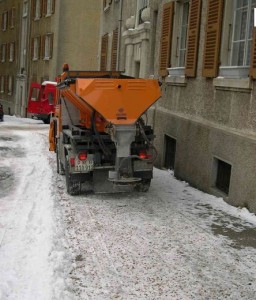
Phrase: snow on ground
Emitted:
{"points": [[173, 242]]}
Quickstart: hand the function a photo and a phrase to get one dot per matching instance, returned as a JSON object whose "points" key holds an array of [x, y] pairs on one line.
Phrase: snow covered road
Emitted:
{"points": [[173, 242]]}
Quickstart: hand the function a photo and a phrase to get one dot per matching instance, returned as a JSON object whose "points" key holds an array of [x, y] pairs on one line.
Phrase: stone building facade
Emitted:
{"points": [[47, 34], [9, 44], [204, 54]]}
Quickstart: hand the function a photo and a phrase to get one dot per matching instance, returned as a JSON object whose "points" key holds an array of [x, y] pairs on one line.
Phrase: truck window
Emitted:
{"points": [[50, 97], [35, 94]]}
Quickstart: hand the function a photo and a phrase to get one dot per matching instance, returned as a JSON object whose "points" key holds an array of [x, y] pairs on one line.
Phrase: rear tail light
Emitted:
{"points": [[72, 161], [82, 155], [143, 155]]}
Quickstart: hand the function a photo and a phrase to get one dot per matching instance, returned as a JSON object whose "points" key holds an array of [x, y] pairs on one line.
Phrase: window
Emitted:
{"points": [[12, 17], [236, 40], [11, 51], [106, 4], [47, 46], [141, 4], [4, 20], [25, 9], [49, 7], [10, 85], [35, 94], [37, 9], [170, 152], [180, 29], [3, 52], [1, 84], [180, 38], [242, 33], [36, 47], [223, 174], [182, 46]]}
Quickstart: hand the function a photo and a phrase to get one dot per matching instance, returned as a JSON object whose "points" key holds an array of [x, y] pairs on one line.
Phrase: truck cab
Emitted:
{"points": [[41, 100]]}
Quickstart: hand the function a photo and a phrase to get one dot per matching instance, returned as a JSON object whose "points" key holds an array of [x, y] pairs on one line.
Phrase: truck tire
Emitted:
{"points": [[73, 186], [143, 186]]}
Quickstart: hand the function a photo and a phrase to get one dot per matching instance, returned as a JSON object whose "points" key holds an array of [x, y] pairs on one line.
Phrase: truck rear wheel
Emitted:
{"points": [[143, 186], [73, 186]]}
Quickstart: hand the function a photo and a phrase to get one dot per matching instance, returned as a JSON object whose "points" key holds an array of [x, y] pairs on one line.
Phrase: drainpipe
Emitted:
{"points": [[119, 34]]}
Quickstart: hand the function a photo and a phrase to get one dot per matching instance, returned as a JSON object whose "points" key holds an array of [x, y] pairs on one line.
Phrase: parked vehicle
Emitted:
{"points": [[1, 113], [101, 141], [41, 100]]}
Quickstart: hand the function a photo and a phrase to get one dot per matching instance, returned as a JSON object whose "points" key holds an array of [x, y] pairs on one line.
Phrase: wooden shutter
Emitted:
{"points": [[51, 46], [104, 52], [32, 48], [33, 9], [8, 48], [6, 79], [253, 56], [193, 37], [212, 38], [166, 37], [44, 7], [114, 50]]}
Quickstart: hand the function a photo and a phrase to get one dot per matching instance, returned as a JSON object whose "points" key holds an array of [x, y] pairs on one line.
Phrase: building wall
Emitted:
{"points": [[74, 27], [211, 118], [9, 68], [78, 34]]}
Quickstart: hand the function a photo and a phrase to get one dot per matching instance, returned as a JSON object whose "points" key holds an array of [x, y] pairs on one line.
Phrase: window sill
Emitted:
{"points": [[46, 58], [48, 15], [37, 19], [11, 60], [176, 76], [242, 84], [35, 59], [234, 72], [9, 94]]}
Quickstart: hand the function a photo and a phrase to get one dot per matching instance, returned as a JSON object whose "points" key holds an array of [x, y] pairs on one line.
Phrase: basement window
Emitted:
{"points": [[170, 151], [223, 174]]}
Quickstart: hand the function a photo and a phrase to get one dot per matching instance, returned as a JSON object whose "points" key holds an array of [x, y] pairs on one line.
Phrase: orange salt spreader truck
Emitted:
{"points": [[101, 141]]}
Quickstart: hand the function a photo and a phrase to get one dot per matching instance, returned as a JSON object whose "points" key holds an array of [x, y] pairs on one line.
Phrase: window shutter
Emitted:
{"points": [[165, 44], [6, 80], [104, 52], [51, 46], [44, 7], [14, 51], [253, 56], [193, 38], [42, 3], [32, 48], [8, 48], [33, 9], [114, 50], [212, 38]]}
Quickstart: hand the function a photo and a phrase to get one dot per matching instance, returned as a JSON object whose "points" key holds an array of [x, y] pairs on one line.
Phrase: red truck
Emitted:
{"points": [[41, 100]]}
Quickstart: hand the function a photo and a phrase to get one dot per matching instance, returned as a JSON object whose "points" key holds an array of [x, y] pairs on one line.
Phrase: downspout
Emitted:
{"points": [[120, 20]]}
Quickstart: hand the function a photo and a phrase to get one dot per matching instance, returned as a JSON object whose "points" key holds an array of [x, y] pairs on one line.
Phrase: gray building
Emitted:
{"points": [[204, 53], [37, 37]]}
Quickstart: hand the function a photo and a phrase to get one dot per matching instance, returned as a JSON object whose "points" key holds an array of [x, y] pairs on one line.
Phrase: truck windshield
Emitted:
{"points": [[35, 94], [50, 97]]}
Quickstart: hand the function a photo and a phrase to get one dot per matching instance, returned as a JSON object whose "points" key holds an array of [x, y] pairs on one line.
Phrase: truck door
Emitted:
{"points": [[34, 98]]}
